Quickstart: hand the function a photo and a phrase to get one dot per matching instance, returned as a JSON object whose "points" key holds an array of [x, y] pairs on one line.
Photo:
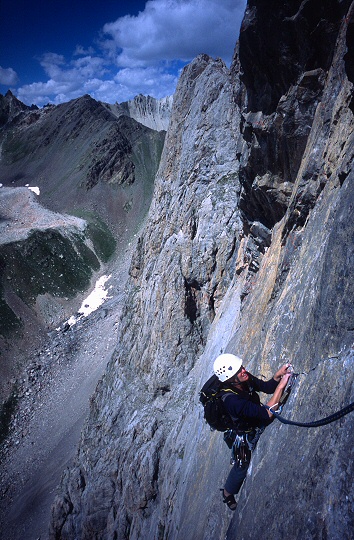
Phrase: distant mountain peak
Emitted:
{"points": [[10, 107], [151, 112]]}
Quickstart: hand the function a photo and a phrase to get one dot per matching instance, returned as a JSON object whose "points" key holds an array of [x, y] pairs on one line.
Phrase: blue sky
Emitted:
{"points": [[51, 52]]}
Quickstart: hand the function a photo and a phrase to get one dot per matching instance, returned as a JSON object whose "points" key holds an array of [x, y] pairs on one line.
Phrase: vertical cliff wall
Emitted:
{"points": [[248, 249], [180, 272]]}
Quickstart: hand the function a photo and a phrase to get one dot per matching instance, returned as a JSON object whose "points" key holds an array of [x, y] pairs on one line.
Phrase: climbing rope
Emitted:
{"points": [[317, 423]]}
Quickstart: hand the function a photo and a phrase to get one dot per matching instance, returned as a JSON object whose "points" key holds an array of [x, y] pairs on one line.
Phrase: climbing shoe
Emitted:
{"points": [[229, 500]]}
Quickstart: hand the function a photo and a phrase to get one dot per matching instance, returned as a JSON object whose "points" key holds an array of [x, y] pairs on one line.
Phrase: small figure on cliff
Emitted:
{"points": [[241, 401]]}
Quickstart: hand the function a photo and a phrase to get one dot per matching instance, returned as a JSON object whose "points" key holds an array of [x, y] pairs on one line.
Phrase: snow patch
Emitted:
{"points": [[34, 189], [94, 300]]}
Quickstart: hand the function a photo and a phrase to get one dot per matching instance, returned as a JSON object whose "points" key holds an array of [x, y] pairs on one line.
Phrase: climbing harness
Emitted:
{"points": [[243, 440], [242, 444], [253, 437]]}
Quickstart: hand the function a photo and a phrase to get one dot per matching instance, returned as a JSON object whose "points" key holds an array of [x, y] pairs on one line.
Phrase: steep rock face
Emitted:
{"points": [[283, 84], [218, 268], [151, 112], [304, 41], [180, 272], [304, 313]]}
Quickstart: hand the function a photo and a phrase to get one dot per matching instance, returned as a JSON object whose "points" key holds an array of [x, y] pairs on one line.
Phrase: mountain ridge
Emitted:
{"points": [[82, 161]]}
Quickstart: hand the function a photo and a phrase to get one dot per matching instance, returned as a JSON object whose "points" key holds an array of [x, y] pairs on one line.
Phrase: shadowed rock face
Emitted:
{"points": [[11, 107], [283, 70], [274, 57], [248, 249]]}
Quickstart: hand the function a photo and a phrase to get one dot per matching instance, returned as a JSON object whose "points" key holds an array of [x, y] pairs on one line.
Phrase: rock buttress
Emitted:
{"points": [[179, 274]]}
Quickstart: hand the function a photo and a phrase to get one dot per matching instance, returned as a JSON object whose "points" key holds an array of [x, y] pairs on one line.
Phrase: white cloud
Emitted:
{"points": [[77, 70], [140, 54], [176, 29], [81, 51], [8, 76], [126, 85], [154, 81], [67, 80]]}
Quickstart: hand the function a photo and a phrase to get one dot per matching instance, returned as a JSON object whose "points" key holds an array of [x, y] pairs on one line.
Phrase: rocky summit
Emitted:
{"points": [[248, 249]]}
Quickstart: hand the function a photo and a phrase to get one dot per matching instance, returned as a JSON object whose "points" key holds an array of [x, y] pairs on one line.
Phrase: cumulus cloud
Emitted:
{"points": [[154, 81], [176, 29], [66, 80], [81, 51], [140, 54], [77, 70], [86, 76], [8, 76]]}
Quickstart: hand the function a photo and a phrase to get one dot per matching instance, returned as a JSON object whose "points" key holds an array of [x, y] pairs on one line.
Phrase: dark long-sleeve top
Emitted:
{"points": [[246, 405]]}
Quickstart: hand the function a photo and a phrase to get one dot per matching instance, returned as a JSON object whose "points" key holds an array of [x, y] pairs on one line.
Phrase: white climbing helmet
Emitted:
{"points": [[226, 365]]}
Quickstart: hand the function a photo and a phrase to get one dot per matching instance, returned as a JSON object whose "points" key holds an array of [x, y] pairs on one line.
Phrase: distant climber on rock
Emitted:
{"points": [[241, 401]]}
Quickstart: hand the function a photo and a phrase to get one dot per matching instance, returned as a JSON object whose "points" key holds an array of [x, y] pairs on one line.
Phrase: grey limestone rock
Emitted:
{"points": [[248, 249], [179, 274], [148, 111]]}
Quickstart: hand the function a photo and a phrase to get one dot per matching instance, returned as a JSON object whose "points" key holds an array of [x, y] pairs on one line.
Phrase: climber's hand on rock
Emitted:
{"points": [[284, 370], [284, 380]]}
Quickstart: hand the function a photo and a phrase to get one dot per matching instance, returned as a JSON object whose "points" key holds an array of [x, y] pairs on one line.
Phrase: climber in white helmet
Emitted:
{"points": [[242, 403]]}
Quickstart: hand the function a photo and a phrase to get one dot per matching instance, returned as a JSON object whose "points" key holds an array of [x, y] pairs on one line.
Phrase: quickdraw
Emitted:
{"points": [[240, 452], [242, 444]]}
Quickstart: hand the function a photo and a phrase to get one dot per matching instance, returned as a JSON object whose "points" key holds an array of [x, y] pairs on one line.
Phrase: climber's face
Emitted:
{"points": [[242, 375]]}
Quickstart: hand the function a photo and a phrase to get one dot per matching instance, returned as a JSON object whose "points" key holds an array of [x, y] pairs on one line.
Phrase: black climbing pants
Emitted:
{"points": [[236, 477]]}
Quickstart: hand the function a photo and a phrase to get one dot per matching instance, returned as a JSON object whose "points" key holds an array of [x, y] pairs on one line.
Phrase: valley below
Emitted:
{"points": [[53, 403]]}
